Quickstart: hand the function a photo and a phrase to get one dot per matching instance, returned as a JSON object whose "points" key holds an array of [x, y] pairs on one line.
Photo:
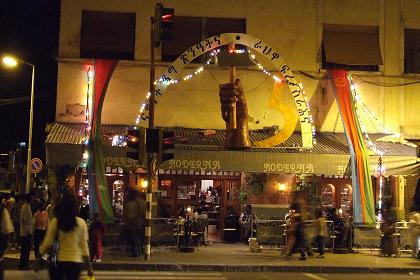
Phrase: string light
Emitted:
{"points": [[280, 80], [358, 103], [189, 76], [161, 80], [261, 67], [90, 77]]}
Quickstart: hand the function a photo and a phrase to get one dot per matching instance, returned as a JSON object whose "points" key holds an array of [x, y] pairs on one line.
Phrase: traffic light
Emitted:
{"points": [[136, 144], [163, 23], [152, 140], [166, 145]]}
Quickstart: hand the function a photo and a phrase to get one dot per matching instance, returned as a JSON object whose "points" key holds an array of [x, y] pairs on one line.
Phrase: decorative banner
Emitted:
{"points": [[99, 200], [363, 204], [266, 50]]}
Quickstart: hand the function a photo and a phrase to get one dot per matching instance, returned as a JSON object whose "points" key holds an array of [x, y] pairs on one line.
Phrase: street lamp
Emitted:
{"points": [[13, 62]]}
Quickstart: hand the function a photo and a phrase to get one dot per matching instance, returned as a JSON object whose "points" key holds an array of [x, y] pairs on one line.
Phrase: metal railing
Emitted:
{"points": [[163, 230], [369, 238], [274, 232]]}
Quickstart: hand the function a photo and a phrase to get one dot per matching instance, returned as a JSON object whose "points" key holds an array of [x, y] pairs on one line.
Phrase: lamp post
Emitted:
{"points": [[13, 62]]}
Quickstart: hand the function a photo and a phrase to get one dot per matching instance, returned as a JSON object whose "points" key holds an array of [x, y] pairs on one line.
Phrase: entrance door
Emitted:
{"points": [[230, 199], [211, 200], [230, 206]]}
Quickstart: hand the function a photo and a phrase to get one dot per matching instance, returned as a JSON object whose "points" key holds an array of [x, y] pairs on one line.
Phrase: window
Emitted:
{"points": [[107, 35], [351, 47], [188, 31], [412, 50]]}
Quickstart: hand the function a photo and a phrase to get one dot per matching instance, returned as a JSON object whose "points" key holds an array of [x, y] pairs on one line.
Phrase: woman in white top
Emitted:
{"points": [[6, 228], [72, 236]]}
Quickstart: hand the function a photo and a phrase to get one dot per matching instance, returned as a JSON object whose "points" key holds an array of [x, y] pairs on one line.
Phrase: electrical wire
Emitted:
{"points": [[385, 84]]}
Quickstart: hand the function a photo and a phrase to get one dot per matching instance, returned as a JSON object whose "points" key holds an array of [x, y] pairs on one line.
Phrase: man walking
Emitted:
{"points": [[25, 233]]}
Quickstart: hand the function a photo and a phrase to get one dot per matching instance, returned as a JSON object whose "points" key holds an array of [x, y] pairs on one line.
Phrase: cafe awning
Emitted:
{"points": [[65, 145], [203, 150], [351, 45]]}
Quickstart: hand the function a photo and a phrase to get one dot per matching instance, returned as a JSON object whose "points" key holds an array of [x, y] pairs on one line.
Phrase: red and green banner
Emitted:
{"points": [[99, 197], [363, 204]]}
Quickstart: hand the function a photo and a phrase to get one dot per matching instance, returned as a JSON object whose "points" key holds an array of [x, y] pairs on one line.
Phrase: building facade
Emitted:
{"points": [[382, 54]]}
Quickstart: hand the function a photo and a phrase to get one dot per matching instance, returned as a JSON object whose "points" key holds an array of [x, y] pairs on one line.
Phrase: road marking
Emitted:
{"points": [[313, 276]]}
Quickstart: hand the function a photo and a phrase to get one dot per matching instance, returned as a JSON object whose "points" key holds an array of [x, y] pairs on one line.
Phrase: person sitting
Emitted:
{"points": [[201, 224], [388, 247]]}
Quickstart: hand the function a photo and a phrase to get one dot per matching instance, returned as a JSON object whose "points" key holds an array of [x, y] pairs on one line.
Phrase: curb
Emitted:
{"points": [[251, 268], [11, 263]]}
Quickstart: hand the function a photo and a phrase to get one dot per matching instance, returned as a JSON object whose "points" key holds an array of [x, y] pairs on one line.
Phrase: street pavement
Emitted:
{"points": [[176, 275], [238, 258]]}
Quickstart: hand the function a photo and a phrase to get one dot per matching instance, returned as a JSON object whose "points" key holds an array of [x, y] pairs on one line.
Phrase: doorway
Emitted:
{"points": [[219, 198]]}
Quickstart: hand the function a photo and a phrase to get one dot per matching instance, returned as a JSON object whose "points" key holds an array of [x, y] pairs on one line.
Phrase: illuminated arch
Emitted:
{"points": [[174, 70]]}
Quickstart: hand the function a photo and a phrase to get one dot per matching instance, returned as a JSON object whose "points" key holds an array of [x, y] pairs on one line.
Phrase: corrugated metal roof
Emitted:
{"points": [[326, 143], [74, 133], [195, 139], [66, 133]]}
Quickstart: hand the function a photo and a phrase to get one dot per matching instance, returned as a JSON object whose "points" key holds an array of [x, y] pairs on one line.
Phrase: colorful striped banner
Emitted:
{"points": [[99, 197], [363, 204]]}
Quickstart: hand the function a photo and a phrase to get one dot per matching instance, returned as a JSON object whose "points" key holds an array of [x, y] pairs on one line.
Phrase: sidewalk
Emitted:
{"points": [[227, 257]]}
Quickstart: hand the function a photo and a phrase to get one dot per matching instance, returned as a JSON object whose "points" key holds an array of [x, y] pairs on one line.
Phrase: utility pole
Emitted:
{"points": [[160, 24], [151, 158]]}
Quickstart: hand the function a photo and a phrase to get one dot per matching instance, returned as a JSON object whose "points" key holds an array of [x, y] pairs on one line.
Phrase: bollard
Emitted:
{"points": [[253, 245]]}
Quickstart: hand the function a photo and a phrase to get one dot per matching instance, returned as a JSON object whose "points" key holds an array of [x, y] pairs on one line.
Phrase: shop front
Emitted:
{"points": [[66, 150], [204, 173], [214, 193]]}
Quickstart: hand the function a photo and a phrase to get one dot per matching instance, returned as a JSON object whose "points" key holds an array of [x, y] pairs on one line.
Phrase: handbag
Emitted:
{"points": [[51, 255]]}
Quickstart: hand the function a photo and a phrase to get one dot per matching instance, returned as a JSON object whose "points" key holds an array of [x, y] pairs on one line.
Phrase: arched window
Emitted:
{"points": [[118, 198], [346, 199], [328, 196]]}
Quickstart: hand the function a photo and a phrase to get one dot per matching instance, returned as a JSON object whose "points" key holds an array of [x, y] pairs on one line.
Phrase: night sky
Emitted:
{"points": [[29, 30]]}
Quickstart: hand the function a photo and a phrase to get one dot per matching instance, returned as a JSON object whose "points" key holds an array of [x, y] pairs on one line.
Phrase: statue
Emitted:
{"points": [[235, 114]]}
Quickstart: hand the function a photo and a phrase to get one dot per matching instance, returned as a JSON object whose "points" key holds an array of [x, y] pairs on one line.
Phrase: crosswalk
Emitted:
{"points": [[157, 275]]}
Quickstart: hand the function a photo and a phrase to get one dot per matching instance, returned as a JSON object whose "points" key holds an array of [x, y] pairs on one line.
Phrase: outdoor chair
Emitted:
{"points": [[198, 231]]}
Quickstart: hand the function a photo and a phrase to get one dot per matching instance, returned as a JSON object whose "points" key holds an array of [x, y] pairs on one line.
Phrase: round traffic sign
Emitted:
{"points": [[36, 165]]}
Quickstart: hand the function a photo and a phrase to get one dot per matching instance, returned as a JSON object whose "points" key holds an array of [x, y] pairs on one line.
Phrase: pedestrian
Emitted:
{"points": [[291, 227], [84, 210], [40, 227], [246, 219], [9, 201], [96, 232], [6, 229], [302, 208], [71, 233], [415, 230], [15, 215], [26, 231], [51, 208], [295, 237], [300, 235], [134, 223], [322, 232]]}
